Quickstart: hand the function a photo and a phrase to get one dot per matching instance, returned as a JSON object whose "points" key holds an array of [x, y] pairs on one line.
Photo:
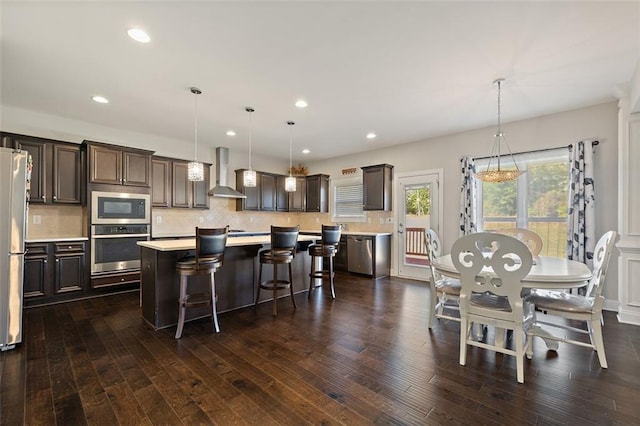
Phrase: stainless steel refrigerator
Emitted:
{"points": [[13, 219]]}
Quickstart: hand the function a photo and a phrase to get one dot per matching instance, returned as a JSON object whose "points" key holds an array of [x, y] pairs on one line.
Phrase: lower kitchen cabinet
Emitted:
{"points": [[54, 271]]}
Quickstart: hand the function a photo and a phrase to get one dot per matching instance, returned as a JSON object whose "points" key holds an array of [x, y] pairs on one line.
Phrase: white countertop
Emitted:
{"points": [[190, 243], [55, 239]]}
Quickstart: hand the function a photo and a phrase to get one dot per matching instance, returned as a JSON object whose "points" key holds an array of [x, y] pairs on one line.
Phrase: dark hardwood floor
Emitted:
{"points": [[365, 358]]}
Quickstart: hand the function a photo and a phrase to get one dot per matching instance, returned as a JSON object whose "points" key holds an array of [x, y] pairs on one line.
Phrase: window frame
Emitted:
{"points": [[350, 181]]}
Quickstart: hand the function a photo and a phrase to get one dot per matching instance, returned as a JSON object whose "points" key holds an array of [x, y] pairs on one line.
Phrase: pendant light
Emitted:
{"points": [[249, 176], [195, 169], [499, 174], [290, 181]]}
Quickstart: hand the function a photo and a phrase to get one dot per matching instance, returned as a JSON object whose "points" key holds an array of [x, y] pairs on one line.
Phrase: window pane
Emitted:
{"points": [[547, 203], [499, 202]]}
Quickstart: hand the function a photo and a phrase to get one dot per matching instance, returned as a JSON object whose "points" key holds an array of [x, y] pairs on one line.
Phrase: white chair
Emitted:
{"points": [[493, 298], [587, 308], [532, 240], [443, 289]]}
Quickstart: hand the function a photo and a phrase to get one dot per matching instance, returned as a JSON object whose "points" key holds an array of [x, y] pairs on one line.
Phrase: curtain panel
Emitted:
{"points": [[468, 196], [581, 221]]}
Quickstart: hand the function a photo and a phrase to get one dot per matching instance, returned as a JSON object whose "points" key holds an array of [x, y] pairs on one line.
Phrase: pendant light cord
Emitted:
{"points": [[290, 123], [195, 155], [249, 110]]}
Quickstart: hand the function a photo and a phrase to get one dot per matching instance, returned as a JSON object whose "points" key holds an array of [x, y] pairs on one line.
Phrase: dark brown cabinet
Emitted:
{"points": [[376, 187], [56, 175], [161, 182], [268, 192], [185, 193], [54, 270], [317, 193], [115, 165], [262, 197], [298, 198], [282, 196]]}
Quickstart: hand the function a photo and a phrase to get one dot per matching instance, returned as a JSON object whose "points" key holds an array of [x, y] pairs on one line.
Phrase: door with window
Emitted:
{"points": [[419, 208]]}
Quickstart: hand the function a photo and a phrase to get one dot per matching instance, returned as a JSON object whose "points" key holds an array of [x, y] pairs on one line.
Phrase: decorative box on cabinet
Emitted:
{"points": [[317, 193], [54, 271], [376, 187], [187, 194], [56, 175], [117, 165]]}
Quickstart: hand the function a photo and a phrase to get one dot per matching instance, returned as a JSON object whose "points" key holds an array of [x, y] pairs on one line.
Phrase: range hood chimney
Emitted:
{"points": [[222, 189]]}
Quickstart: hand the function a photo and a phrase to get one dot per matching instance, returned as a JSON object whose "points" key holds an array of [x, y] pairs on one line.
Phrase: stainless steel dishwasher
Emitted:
{"points": [[360, 254]]}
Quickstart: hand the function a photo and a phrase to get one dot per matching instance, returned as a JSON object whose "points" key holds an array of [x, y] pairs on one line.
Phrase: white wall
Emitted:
{"points": [[556, 130]]}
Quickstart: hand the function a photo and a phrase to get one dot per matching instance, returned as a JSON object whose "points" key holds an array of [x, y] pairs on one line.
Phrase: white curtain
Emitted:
{"points": [[581, 238], [468, 196]]}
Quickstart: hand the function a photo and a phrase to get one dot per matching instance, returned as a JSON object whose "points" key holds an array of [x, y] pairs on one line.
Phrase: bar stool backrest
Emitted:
{"points": [[331, 234], [210, 244], [284, 238]]}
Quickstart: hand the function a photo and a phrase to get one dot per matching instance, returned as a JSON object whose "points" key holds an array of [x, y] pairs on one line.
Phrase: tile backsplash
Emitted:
{"points": [[53, 221]]}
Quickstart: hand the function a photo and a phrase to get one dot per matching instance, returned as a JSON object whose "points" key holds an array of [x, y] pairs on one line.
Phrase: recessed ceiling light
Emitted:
{"points": [[371, 135], [231, 133], [305, 151], [139, 35], [301, 103], [100, 99]]}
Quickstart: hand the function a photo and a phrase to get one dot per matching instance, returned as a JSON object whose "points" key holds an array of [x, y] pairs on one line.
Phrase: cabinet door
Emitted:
{"points": [[105, 165], [282, 196], [67, 170], [200, 199], [298, 199], [136, 169], [37, 150], [161, 186], [36, 271], [317, 193], [181, 187], [252, 202], [268, 192], [376, 187], [68, 273]]}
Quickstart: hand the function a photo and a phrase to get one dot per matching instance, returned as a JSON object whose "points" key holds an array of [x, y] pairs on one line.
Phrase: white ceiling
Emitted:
{"points": [[404, 70]]}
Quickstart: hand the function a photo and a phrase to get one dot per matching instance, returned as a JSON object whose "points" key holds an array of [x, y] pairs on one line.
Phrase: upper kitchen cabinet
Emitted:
{"points": [[161, 182], [376, 187], [56, 175], [185, 193], [262, 197], [298, 198], [317, 193], [117, 165]]}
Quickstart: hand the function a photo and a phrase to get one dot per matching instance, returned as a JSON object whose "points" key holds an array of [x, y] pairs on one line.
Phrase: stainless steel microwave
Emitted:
{"points": [[117, 208]]}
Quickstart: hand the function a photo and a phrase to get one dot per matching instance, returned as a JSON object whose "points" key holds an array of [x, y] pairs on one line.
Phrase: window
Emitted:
{"points": [[538, 200], [347, 200]]}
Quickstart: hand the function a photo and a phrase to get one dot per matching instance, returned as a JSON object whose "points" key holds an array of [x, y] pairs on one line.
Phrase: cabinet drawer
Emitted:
{"points": [[36, 249], [115, 280], [71, 247]]}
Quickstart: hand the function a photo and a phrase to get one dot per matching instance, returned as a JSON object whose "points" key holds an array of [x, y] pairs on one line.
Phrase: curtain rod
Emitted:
{"points": [[594, 143]]}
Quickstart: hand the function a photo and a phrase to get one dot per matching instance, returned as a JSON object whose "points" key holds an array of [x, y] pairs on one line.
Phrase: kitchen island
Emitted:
{"points": [[235, 280]]}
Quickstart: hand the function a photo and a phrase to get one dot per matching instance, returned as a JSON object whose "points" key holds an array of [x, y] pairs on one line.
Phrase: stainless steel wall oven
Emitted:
{"points": [[114, 247]]}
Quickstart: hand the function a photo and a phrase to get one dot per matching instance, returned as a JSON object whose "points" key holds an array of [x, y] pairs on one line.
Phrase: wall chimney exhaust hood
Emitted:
{"points": [[222, 189]]}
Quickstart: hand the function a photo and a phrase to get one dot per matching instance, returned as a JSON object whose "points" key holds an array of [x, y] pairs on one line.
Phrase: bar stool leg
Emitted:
{"points": [[214, 311], [311, 276], [183, 308], [331, 274], [291, 286], [275, 290]]}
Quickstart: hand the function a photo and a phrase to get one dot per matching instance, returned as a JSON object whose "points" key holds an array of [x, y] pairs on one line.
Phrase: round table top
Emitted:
{"points": [[547, 272]]}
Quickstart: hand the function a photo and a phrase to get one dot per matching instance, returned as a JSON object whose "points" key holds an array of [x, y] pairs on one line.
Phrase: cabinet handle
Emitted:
{"points": [[57, 260], [121, 279], [44, 261], [55, 197], [124, 180], [69, 247], [42, 197]]}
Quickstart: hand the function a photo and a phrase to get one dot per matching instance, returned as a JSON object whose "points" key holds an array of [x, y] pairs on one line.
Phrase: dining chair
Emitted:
{"points": [[493, 298], [284, 240], [577, 307], [443, 289], [531, 239], [209, 254]]}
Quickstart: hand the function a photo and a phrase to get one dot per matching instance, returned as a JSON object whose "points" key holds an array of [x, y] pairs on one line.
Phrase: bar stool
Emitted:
{"points": [[326, 248], [284, 240], [210, 245]]}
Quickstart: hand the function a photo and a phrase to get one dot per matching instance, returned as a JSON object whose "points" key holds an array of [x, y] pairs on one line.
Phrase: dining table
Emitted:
{"points": [[546, 273]]}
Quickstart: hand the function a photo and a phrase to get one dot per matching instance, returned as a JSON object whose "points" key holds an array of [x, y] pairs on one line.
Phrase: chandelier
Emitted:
{"points": [[249, 178], [290, 181], [497, 173], [195, 169]]}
